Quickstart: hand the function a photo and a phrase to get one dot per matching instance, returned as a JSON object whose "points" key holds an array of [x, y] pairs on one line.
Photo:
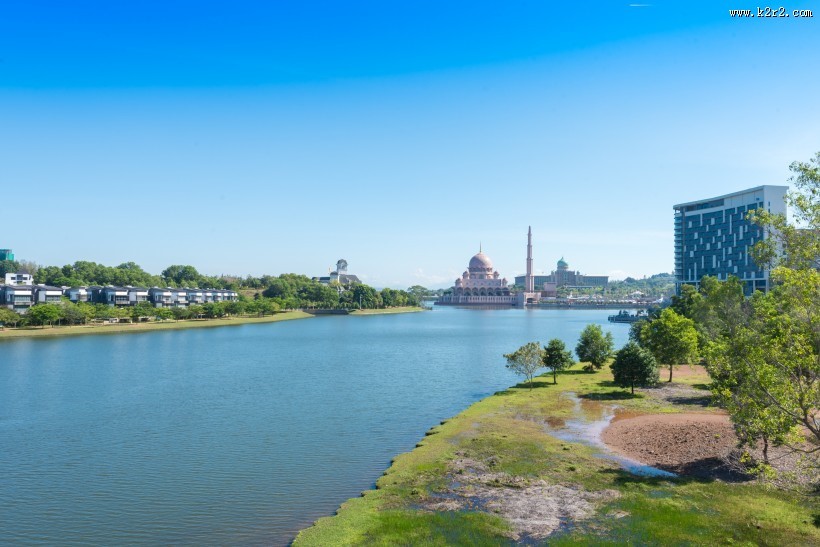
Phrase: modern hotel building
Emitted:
{"points": [[713, 237]]}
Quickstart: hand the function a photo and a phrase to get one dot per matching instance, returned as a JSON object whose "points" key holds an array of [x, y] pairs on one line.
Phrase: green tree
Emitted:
{"points": [[686, 302], [8, 266], [634, 365], [9, 317], [526, 360], [214, 310], [365, 297], [181, 313], [420, 292], [142, 309], [793, 245], [72, 314], [163, 313], [45, 314], [764, 360], [763, 353], [236, 307], [181, 275], [594, 347], [672, 339], [557, 357]]}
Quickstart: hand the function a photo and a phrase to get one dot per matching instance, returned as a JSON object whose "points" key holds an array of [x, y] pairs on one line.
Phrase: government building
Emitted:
{"points": [[713, 237], [562, 276]]}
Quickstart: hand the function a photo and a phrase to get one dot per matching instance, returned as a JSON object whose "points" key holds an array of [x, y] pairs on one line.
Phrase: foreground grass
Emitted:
{"points": [[119, 328], [384, 311], [507, 429]]}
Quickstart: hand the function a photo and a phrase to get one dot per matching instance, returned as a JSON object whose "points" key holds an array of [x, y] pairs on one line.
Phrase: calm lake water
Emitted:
{"points": [[237, 435]]}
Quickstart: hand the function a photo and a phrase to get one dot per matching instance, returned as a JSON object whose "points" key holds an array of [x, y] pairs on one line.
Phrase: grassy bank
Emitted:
{"points": [[119, 328], [399, 309], [503, 441]]}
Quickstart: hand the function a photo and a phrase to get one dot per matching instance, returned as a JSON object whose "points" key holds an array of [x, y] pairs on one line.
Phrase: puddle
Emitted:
{"points": [[591, 418]]}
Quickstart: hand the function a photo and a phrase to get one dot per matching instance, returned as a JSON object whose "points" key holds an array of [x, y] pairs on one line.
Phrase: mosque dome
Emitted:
{"points": [[481, 263]]}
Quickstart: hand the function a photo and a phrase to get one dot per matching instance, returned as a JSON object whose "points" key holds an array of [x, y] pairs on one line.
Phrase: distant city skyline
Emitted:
{"points": [[267, 138]]}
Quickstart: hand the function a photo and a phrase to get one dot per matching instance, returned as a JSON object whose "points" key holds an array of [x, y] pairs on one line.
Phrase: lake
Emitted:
{"points": [[237, 435]]}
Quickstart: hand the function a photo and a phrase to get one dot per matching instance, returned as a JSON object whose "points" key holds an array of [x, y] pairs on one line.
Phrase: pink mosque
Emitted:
{"points": [[480, 284]]}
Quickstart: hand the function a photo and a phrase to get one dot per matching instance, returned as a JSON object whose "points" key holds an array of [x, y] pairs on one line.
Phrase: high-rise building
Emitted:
{"points": [[6, 254], [713, 237]]}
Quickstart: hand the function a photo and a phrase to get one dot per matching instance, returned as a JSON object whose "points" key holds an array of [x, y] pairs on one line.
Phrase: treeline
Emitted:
{"points": [[288, 291], [299, 291], [81, 313]]}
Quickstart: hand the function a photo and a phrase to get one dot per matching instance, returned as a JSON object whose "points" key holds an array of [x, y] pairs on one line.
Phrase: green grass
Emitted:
{"points": [[506, 432], [386, 311], [121, 328]]}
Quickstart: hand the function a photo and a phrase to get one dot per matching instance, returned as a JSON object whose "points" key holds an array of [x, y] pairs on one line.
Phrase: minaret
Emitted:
{"points": [[529, 282]]}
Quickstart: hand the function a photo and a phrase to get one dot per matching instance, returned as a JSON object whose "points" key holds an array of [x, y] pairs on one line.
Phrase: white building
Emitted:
{"points": [[19, 279]]}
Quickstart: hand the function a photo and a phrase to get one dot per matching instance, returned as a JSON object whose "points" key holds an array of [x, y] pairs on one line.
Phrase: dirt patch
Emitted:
{"points": [[534, 509], [679, 394], [685, 371], [693, 444]]}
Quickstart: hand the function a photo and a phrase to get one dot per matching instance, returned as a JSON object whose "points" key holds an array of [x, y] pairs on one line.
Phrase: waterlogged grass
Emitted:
{"points": [[507, 433], [121, 328]]}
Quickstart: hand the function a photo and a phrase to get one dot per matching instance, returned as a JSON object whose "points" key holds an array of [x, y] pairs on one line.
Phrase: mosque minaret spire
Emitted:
{"points": [[529, 282]]}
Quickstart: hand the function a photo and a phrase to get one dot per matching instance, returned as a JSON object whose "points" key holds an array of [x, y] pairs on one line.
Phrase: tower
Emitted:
{"points": [[529, 285]]}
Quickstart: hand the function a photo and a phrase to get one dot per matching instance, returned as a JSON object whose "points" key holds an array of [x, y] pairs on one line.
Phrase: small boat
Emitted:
{"points": [[624, 316]]}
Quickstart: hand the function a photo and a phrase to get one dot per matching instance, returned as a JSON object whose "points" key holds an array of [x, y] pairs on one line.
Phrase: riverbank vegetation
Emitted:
{"points": [[147, 326], [499, 473]]}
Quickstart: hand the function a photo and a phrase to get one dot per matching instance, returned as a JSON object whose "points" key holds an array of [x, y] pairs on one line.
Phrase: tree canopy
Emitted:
{"points": [[526, 360], [671, 338], [557, 358], [634, 365], [594, 347]]}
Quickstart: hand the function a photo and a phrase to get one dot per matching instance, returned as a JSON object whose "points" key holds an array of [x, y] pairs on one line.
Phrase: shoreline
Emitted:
{"points": [[152, 326], [389, 311], [500, 471]]}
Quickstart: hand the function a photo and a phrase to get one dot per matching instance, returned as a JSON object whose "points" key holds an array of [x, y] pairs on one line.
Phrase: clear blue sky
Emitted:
{"points": [[270, 137]]}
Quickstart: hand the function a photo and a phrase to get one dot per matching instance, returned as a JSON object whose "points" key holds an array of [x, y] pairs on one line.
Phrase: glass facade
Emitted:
{"points": [[714, 237]]}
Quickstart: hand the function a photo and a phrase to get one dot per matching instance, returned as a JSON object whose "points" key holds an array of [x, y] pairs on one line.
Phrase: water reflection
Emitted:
{"points": [[590, 419]]}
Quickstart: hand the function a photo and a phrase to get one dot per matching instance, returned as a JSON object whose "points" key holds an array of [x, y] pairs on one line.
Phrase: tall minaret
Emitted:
{"points": [[529, 282]]}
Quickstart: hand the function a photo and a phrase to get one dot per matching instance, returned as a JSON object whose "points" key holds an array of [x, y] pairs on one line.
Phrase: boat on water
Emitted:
{"points": [[624, 316]]}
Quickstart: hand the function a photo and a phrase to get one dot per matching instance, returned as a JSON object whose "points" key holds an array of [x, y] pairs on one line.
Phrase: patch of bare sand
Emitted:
{"points": [[704, 445], [695, 444], [534, 509]]}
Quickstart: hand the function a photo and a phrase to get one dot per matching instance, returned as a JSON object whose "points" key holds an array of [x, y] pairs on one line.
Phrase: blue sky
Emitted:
{"points": [[271, 137]]}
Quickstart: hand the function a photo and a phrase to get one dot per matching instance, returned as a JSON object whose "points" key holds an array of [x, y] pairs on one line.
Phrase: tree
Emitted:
{"points": [[763, 353], [45, 314], [764, 361], [181, 313], [634, 365], [163, 313], [594, 347], [142, 309], [686, 302], [557, 357], [526, 360], [71, 313], [9, 317], [671, 338], [795, 245], [181, 275], [8, 266]]}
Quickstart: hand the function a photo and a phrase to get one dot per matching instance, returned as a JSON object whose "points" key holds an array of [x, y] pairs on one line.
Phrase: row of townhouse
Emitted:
{"points": [[21, 297]]}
